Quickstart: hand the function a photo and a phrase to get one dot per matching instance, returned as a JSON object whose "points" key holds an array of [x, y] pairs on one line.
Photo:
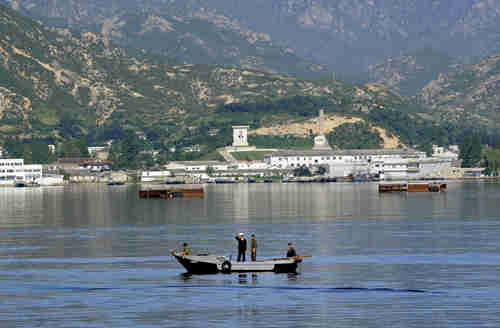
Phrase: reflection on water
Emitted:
{"points": [[87, 255]]}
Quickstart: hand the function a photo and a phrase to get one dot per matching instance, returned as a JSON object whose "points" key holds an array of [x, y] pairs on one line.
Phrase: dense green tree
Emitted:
{"points": [[27, 154], [355, 136], [282, 142], [124, 153], [70, 126], [73, 148], [14, 148], [146, 160], [470, 151], [491, 160], [34, 151], [40, 151]]}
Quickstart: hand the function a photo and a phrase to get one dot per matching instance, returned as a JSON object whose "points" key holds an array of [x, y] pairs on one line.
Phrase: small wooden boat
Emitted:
{"points": [[175, 182], [116, 183], [24, 184], [412, 187], [171, 193], [225, 180], [206, 264]]}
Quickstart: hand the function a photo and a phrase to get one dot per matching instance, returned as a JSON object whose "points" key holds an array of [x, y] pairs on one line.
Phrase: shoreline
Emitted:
{"points": [[464, 179]]}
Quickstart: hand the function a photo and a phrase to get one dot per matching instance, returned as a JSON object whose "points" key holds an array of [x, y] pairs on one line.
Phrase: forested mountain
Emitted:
{"points": [[58, 84], [347, 35], [54, 83], [176, 30]]}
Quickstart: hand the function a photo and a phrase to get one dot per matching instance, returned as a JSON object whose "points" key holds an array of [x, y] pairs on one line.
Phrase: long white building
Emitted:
{"points": [[13, 171], [390, 164], [297, 158]]}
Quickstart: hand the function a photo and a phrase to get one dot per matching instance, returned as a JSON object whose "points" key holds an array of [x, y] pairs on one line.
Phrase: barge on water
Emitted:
{"points": [[209, 264], [412, 187], [172, 193]]}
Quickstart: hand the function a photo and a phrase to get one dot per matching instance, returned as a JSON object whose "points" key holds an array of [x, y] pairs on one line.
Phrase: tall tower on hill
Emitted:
{"points": [[320, 141]]}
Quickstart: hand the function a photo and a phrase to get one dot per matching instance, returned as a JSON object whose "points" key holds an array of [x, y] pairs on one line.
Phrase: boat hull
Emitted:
{"points": [[219, 264], [196, 267]]}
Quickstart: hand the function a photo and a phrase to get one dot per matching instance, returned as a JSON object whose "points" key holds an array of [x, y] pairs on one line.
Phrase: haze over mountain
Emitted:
{"points": [[57, 84], [174, 30], [62, 83], [346, 35]]}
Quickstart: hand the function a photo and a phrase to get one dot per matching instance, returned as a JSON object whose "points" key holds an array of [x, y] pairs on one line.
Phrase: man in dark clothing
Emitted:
{"points": [[242, 247], [291, 251], [253, 247]]}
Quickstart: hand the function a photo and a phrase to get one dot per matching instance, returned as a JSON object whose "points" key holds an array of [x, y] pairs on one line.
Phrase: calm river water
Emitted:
{"points": [[97, 256]]}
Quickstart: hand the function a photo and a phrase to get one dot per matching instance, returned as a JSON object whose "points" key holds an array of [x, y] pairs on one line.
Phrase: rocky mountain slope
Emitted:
{"points": [[348, 35], [56, 83], [176, 30], [472, 90], [453, 91], [310, 127], [408, 74], [60, 84]]}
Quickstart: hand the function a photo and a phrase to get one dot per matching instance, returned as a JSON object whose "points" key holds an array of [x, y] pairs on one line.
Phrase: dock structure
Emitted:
{"points": [[392, 187], [170, 193], [412, 187]]}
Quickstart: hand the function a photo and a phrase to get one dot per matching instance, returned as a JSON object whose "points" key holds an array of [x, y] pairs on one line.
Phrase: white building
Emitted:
{"points": [[240, 135], [442, 152], [152, 176], [410, 169], [390, 164], [94, 150], [52, 180], [192, 149], [296, 158], [52, 149], [13, 171], [197, 166], [96, 166], [33, 173]]}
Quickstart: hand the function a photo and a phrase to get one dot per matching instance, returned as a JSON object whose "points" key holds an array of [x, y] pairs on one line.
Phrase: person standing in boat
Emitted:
{"points": [[253, 247], [291, 251], [186, 251], [242, 247]]}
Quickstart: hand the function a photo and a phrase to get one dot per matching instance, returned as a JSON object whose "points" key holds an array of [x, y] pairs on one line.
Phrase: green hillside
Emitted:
{"points": [[74, 89]]}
